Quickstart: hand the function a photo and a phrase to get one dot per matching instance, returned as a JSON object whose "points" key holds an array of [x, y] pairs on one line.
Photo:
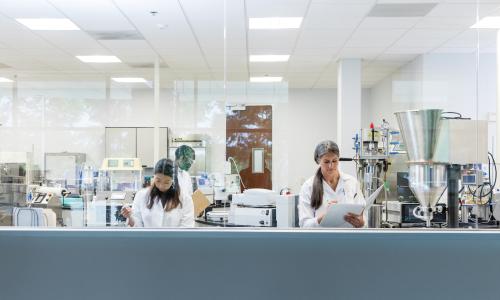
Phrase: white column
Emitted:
{"points": [[496, 150], [348, 108], [156, 125]]}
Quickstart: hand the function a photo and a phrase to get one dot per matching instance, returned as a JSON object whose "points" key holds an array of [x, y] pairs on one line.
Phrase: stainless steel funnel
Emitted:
{"points": [[427, 182], [427, 178], [420, 131]]}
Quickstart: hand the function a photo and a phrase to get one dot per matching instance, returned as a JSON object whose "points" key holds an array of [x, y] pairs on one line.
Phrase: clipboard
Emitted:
{"points": [[335, 215]]}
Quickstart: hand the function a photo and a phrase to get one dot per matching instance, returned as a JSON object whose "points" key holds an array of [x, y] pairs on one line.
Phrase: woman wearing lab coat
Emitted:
{"points": [[163, 204], [328, 187]]}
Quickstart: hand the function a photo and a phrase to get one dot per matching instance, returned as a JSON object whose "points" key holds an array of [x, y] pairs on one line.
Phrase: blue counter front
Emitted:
{"points": [[249, 264]]}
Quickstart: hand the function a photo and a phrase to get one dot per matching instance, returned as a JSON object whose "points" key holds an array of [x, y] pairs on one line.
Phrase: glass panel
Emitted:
{"points": [[80, 140]]}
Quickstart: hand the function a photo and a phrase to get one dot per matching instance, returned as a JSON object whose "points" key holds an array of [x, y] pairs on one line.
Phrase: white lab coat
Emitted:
{"points": [[347, 191], [181, 216], [185, 182]]}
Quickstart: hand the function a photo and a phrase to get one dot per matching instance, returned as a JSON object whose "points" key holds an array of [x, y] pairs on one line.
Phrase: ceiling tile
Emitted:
{"points": [[363, 53], [445, 23], [375, 38], [29, 9], [323, 38], [462, 10], [272, 39], [69, 39], [371, 23], [276, 8], [95, 15]]}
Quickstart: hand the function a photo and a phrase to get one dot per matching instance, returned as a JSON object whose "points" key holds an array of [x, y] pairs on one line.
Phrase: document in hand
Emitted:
{"points": [[335, 215]]}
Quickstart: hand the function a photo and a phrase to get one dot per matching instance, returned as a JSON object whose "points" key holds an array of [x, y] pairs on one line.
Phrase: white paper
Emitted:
{"points": [[335, 214]]}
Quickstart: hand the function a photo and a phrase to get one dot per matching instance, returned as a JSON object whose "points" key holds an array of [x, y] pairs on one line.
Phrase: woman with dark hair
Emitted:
{"points": [[328, 187], [163, 204]]}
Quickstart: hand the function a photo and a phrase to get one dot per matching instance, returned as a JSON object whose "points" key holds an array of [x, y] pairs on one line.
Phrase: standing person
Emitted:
{"points": [[184, 157], [163, 204], [328, 187]]}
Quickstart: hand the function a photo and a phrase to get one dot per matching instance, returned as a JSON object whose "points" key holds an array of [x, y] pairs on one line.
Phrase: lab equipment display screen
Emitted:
{"points": [[128, 163]]}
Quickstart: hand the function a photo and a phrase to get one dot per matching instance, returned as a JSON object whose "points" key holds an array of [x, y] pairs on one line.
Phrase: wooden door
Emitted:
{"points": [[249, 141]]}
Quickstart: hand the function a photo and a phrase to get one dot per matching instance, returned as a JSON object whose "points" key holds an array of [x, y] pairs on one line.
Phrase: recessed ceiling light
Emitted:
{"points": [[487, 23], [266, 79], [99, 58], [274, 23], [3, 79], [129, 79], [269, 58], [48, 24]]}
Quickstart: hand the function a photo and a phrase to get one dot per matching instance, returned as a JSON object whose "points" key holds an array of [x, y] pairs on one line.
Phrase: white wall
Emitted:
{"points": [[312, 119], [446, 81], [397, 92]]}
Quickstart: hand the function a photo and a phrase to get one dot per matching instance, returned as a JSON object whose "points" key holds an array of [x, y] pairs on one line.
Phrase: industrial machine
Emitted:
{"points": [[120, 174], [17, 171], [54, 199], [254, 207], [13, 183], [438, 150], [400, 214], [477, 201], [373, 149], [404, 193], [105, 210], [119, 180]]}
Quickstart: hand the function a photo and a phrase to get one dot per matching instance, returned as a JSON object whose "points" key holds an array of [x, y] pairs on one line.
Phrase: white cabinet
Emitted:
{"points": [[135, 142], [145, 146]]}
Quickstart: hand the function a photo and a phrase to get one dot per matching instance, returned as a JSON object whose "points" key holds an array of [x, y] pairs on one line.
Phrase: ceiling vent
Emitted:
{"points": [[400, 10], [146, 65], [116, 35]]}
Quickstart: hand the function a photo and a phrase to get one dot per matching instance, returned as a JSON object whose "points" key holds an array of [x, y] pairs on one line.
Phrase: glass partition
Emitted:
{"points": [[239, 95]]}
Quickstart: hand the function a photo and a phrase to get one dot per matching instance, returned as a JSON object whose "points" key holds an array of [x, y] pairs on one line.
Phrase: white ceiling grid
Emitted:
{"points": [[188, 37]]}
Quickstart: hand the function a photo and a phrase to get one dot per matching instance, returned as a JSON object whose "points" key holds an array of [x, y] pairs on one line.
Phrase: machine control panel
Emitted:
{"points": [[472, 177]]}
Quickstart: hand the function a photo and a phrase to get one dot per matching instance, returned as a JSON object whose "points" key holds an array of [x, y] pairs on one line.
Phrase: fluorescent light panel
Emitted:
{"points": [[3, 79], [98, 58], [48, 24], [129, 79], [266, 79], [269, 58], [487, 23], [274, 23]]}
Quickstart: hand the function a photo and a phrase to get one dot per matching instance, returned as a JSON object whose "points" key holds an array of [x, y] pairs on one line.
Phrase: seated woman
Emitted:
{"points": [[327, 187], [163, 204]]}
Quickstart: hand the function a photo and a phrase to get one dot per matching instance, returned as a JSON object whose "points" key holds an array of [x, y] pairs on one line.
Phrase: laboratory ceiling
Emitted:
{"points": [[188, 37]]}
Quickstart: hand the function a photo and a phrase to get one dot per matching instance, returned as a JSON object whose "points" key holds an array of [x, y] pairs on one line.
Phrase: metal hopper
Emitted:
{"points": [[427, 178]]}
